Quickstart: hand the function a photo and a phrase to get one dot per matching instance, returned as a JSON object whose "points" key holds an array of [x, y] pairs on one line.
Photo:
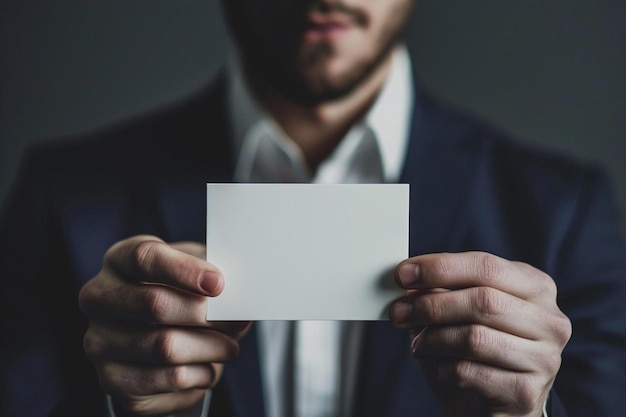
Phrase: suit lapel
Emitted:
{"points": [[442, 164]]}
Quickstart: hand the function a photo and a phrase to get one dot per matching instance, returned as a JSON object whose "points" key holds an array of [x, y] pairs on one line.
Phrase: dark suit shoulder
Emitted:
{"points": [[518, 199], [170, 124], [173, 138], [512, 163], [505, 147]]}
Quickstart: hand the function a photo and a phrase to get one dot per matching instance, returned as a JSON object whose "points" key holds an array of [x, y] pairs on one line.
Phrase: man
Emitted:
{"points": [[319, 92]]}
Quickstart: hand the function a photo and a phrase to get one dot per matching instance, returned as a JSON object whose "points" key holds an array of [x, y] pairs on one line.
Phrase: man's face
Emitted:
{"points": [[311, 51]]}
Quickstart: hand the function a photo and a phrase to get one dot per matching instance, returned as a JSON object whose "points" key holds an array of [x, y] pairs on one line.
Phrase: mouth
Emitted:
{"points": [[326, 27]]}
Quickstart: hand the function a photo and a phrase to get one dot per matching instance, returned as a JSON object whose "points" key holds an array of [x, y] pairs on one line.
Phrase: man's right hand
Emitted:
{"points": [[148, 337]]}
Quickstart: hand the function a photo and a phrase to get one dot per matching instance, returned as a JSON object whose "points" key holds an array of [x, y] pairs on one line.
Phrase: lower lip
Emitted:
{"points": [[323, 33]]}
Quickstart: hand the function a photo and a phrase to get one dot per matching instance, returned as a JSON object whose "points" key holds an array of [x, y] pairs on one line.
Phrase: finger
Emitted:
{"points": [[476, 269], [158, 345], [235, 329], [110, 297], [149, 259], [481, 305], [518, 393], [140, 379], [192, 248], [161, 404], [486, 345]]}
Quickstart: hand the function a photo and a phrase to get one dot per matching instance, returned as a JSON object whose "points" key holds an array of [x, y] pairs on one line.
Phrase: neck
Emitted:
{"points": [[317, 129]]}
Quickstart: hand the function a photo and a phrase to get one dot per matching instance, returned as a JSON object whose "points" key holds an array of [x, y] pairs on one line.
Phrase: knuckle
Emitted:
{"points": [[216, 373], [145, 254], [463, 372], [86, 296], [226, 348], [488, 303], [567, 330], [489, 267], [111, 254], [164, 346], [232, 349], [181, 377], [157, 304], [107, 378], [547, 285], [563, 329], [178, 377], [526, 394], [93, 345], [478, 340], [429, 307], [441, 266]]}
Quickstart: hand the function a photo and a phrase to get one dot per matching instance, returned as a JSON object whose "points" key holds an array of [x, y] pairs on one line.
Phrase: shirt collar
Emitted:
{"points": [[389, 118], [390, 115]]}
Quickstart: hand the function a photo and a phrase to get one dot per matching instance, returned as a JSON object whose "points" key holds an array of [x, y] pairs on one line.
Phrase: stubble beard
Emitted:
{"points": [[306, 80]]}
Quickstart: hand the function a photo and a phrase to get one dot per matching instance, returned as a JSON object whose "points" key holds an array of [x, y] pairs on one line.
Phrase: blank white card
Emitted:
{"points": [[306, 251]]}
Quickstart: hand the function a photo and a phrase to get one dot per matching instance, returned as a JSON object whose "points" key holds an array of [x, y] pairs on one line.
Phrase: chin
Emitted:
{"points": [[317, 87]]}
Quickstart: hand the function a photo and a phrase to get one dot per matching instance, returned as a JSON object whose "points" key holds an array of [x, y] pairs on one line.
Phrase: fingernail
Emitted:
{"points": [[209, 281], [401, 312], [408, 275]]}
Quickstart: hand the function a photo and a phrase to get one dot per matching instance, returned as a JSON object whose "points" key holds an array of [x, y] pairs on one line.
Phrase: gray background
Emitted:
{"points": [[552, 73]]}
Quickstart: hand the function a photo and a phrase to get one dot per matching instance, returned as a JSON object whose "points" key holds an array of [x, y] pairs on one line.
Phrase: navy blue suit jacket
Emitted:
{"points": [[471, 189]]}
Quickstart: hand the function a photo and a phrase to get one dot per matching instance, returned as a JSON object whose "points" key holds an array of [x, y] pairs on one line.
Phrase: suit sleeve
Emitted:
{"points": [[41, 326], [591, 280]]}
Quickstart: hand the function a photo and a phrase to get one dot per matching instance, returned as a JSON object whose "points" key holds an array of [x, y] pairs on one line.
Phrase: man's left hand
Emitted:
{"points": [[487, 331]]}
